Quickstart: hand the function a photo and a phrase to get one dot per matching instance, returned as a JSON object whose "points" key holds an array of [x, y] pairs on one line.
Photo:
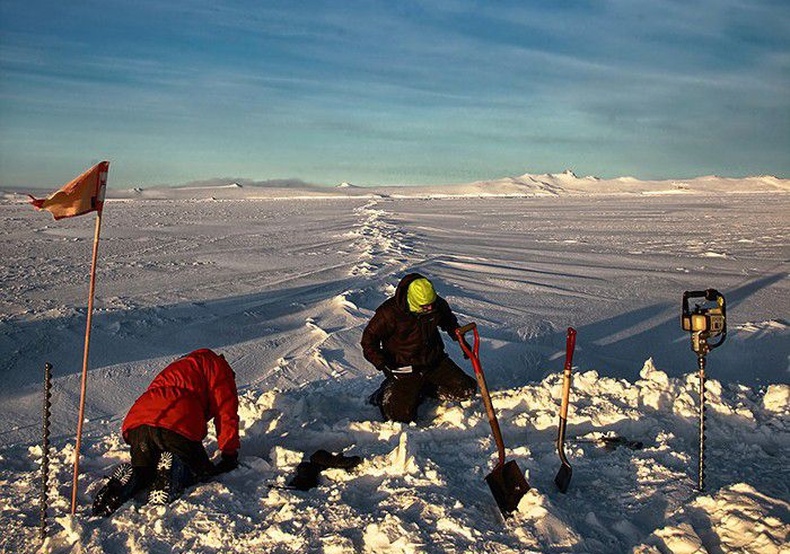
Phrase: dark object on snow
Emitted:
{"points": [[324, 459], [306, 476], [611, 443], [707, 321], [563, 478], [506, 480], [307, 473]]}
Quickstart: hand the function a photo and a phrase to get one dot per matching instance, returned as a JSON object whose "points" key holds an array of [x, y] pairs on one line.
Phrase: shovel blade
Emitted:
{"points": [[508, 485], [563, 478]]}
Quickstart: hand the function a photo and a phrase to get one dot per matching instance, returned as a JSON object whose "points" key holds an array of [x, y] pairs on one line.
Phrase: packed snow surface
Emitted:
{"points": [[282, 280]]}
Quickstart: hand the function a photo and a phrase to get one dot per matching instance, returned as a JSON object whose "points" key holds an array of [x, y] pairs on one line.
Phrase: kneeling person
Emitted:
{"points": [[166, 426], [402, 341]]}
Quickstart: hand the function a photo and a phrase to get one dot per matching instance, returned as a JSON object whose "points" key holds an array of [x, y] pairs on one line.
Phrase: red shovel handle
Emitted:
{"points": [[474, 356], [473, 352], [570, 345]]}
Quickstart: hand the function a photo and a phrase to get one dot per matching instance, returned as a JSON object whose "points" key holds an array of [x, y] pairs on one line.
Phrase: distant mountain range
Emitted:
{"points": [[566, 183]]}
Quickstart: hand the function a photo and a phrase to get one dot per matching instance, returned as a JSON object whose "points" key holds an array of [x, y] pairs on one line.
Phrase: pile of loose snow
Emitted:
{"points": [[421, 489]]}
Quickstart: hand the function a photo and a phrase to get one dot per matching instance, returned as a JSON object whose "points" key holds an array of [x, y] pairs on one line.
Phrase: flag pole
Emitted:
{"points": [[84, 383]]}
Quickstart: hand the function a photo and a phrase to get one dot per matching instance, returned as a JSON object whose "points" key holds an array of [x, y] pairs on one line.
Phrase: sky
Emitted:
{"points": [[381, 92]]}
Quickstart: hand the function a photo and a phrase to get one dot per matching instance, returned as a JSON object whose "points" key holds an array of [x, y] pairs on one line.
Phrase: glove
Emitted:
{"points": [[229, 462]]}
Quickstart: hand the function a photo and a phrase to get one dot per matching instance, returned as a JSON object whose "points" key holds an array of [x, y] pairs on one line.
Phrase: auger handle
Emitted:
{"points": [[711, 295]]}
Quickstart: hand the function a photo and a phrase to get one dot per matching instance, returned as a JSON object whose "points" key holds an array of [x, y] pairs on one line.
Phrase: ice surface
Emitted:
{"points": [[282, 281]]}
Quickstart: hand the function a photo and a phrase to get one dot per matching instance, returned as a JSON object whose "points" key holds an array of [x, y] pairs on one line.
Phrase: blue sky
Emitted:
{"points": [[382, 92]]}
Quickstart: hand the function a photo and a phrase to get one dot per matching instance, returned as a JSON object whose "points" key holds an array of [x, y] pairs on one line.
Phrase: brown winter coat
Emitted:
{"points": [[396, 337]]}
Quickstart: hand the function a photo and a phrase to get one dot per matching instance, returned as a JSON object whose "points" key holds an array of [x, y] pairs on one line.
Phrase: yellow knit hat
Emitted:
{"points": [[419, 294]]}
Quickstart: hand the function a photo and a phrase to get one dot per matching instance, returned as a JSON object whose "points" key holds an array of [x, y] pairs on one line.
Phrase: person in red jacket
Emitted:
{"points": [[165, 428], [402, 341]]}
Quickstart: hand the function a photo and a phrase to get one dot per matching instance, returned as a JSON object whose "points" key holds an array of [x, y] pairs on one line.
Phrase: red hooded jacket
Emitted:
{"points": [[187, 394]]}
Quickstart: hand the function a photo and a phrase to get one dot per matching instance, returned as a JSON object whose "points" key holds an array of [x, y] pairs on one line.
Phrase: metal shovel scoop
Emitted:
{"points": [[563, 478], [506, 480]]}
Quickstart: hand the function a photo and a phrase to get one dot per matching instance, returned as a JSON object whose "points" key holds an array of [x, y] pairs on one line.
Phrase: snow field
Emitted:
{"points": [[284, 288]]}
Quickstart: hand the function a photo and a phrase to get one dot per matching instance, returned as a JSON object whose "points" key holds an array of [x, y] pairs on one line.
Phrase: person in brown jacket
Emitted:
{"points": [[402, 341]]}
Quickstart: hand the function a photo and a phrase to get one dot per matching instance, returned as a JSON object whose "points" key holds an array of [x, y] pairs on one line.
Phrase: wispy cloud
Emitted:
{"points": [[476, 86]]}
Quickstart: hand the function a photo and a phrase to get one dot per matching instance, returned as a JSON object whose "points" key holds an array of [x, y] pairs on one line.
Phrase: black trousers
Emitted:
{"points": [[147, 444], [402, 395]]}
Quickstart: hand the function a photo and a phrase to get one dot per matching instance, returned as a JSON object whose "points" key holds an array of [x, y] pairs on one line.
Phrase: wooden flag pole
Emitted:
{"points": [[84, 383]]}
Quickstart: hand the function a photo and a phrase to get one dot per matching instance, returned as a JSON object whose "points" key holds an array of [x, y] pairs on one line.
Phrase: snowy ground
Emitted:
{"points": [[284, 286]]}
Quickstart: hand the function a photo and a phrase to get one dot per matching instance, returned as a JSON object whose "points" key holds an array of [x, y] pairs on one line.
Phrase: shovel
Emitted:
{"points": [[506, 480], [563, 478]]}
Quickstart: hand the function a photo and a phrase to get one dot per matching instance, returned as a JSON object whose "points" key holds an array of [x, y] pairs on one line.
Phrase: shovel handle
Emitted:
{"points": [[471, 352], [474, 356], [570, 345]]}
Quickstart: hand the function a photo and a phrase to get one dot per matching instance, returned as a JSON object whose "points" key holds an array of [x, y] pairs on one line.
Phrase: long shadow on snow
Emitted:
{"points": [[619, 346], [612, 348], [161, 331]]}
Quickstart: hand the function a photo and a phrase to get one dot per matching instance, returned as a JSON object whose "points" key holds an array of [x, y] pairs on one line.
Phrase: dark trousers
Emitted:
{"points": [[402, 395], [147, 444]]}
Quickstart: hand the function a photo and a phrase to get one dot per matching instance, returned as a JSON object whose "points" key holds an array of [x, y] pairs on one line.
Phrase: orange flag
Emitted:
{"points": [[80, 196]]}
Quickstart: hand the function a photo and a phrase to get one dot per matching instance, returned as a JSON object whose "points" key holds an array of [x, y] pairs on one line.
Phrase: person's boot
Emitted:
{"points": [[118, 489], [375, 398], [160, 492]]}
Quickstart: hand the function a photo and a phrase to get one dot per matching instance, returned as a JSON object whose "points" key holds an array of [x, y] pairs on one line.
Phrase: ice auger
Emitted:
{"points": [[706, 322]]}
